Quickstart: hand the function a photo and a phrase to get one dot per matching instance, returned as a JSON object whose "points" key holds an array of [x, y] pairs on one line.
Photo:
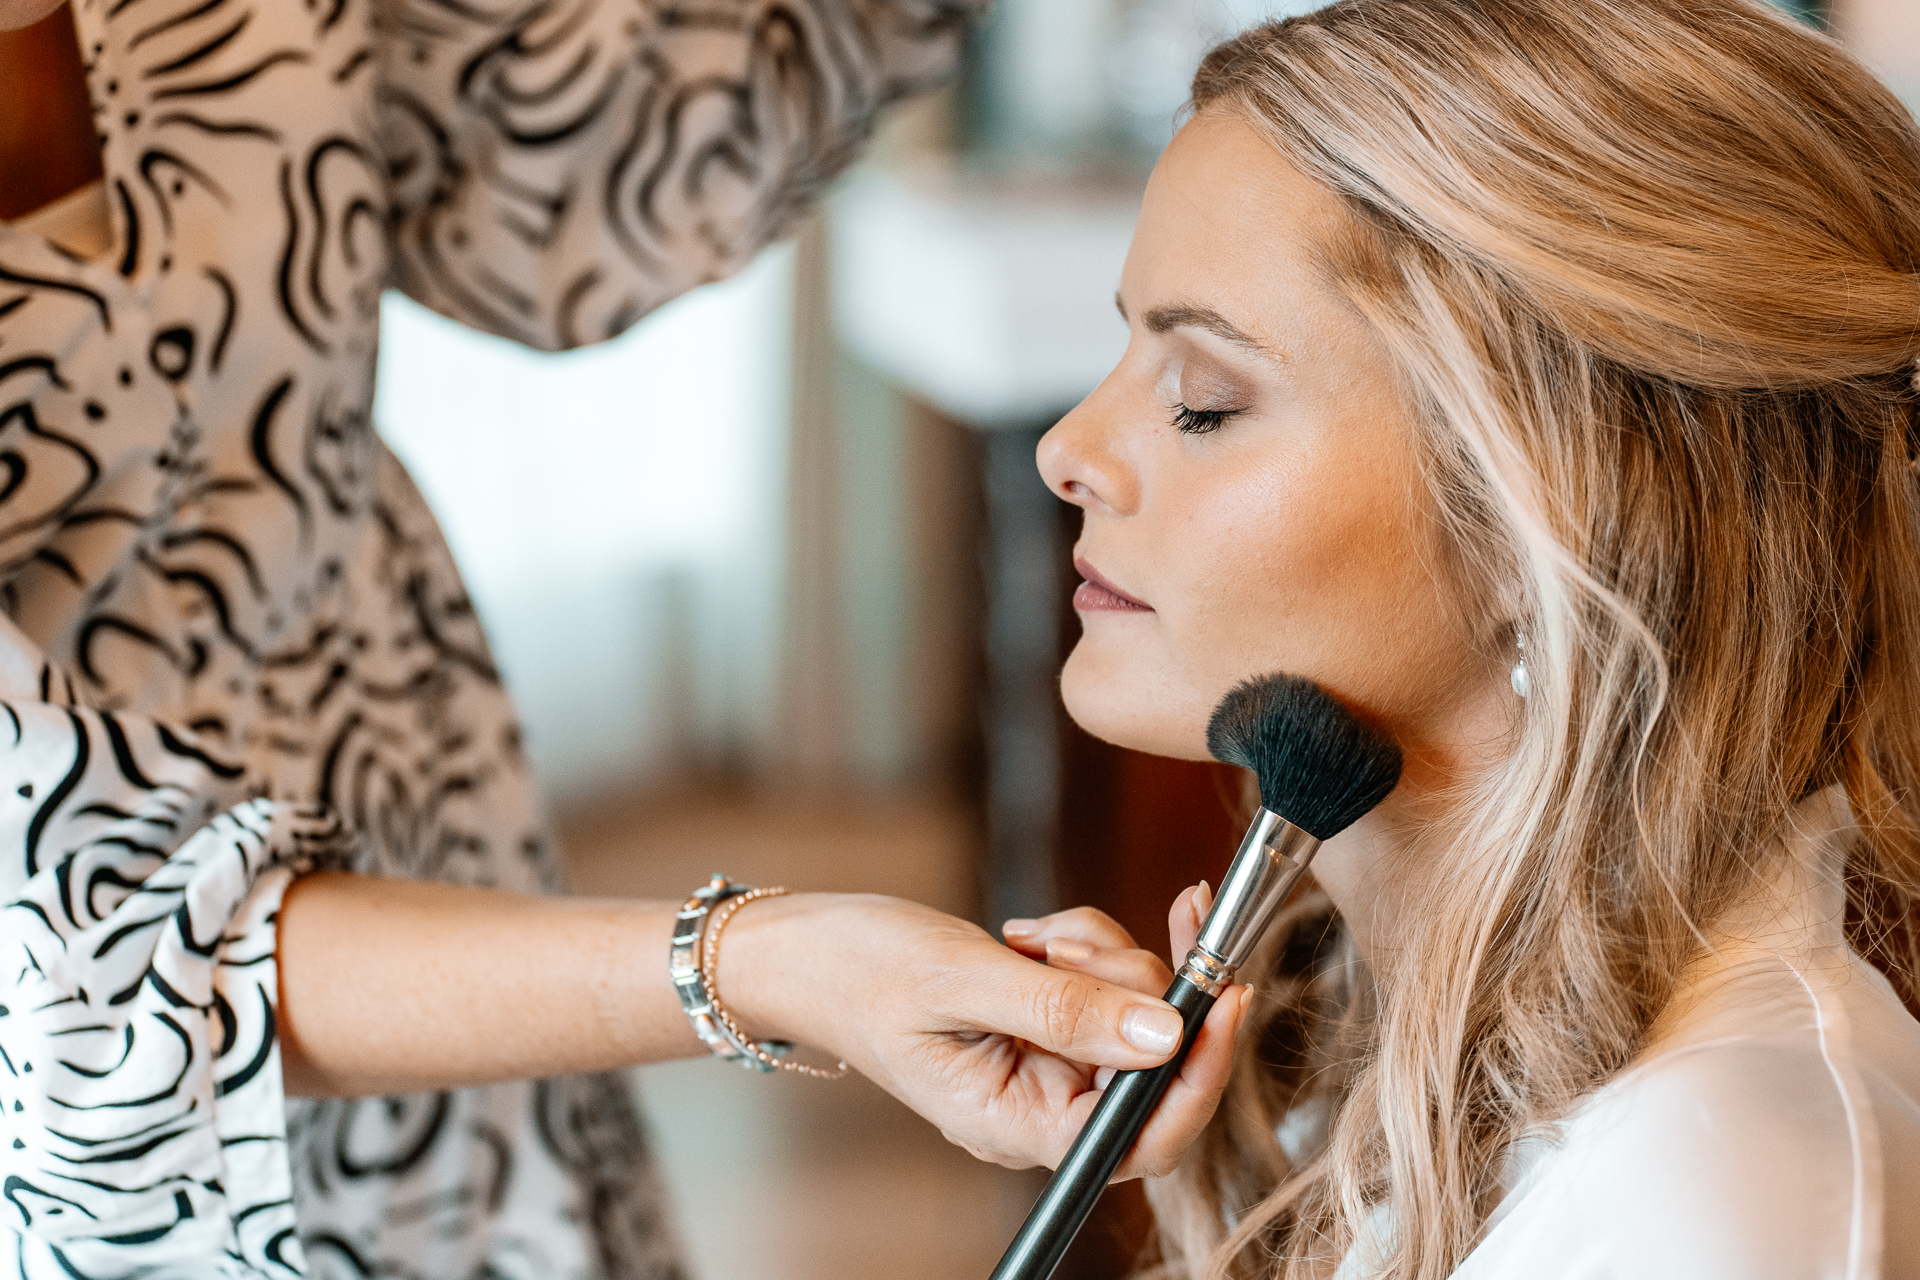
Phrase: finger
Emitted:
{"points": [[1188, 913], [1025, 937], [1087, 1019], [1135, 969], [1082, 924], [1194, 1095]]}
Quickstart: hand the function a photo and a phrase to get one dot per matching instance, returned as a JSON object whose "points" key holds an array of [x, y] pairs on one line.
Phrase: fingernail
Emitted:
{"points": [[1069, 950], [1152, 1029], [1246, 1000], [1104, 1077], [1019, 928], [1202, 899]]}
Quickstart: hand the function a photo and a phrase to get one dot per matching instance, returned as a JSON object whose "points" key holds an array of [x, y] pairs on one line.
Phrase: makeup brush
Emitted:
{"points": [[1320, 771]]}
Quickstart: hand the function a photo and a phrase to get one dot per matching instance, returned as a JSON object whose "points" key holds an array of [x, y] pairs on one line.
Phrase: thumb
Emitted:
{"points": [[1073, 1015]]}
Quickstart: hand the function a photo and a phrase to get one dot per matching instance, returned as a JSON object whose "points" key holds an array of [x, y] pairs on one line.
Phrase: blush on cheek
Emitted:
{"points": [[1325, 582]]}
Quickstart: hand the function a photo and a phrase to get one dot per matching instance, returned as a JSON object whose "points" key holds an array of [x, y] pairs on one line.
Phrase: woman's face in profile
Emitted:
{"points": [[1249, 476]]}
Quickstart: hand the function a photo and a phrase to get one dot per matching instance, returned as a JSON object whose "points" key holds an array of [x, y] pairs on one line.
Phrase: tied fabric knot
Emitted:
{"points": [[140, 1092]]}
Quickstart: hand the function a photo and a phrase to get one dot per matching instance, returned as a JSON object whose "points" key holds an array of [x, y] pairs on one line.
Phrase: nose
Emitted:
{"points": [[1081, 461]]}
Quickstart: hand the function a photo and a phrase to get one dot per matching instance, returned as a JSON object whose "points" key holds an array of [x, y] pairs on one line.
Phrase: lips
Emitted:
{"points": [[1097, 595]]}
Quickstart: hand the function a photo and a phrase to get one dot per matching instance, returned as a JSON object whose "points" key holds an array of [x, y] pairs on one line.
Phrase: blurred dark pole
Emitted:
{"points": [[815, 722], [1022, 554]]}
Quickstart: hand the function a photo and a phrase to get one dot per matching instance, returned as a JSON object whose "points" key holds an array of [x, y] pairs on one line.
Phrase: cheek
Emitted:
{"points": [[1323, 575], [1273, 584]]}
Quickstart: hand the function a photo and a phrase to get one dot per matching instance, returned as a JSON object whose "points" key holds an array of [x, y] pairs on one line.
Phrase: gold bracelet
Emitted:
{"points": [[709, 973]]}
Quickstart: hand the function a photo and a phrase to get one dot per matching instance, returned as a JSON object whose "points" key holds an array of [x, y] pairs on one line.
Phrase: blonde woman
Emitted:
{"points": [[1539, 377]]}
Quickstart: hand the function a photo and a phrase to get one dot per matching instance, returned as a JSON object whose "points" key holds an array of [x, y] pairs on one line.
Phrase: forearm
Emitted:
{"points": [[393, 986], [397, 986]]}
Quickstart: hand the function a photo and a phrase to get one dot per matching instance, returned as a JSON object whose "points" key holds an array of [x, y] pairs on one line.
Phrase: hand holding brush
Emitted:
{"points": [[1320, 770]]}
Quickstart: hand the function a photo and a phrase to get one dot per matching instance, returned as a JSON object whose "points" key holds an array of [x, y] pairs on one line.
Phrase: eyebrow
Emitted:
{"points": [[1170, 316]]}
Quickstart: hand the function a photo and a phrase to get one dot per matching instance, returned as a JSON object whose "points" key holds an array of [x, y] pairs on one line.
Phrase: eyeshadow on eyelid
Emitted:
{"points": [[1204, 385]]}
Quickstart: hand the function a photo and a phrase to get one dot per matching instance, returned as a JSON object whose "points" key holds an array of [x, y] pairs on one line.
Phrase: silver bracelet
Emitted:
{"points": [[710, 1023]]}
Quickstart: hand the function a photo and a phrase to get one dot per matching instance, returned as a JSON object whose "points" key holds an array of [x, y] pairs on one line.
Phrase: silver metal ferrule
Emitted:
{"points": [[1271, 860], [1206, 973]]}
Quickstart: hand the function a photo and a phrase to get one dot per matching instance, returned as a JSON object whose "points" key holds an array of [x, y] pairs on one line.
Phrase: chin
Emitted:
{"points": [[1130, 708]]}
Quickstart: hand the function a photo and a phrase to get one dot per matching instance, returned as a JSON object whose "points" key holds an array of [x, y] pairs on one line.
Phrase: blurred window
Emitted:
{"points": [[618, 513]]}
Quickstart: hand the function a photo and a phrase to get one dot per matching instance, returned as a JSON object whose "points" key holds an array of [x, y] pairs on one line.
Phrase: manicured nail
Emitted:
{"points": [[1104, 1077], [1069, 950], [1246, 1000], [1019, 928], [1202, 899], [1152, 1029]]}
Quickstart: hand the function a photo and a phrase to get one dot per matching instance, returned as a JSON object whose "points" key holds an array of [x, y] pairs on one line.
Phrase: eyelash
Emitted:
{"points": [[1199, 422]]}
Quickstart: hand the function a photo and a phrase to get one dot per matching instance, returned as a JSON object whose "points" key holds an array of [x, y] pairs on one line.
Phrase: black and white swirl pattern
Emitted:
{"points": [[237, 644], [137, 1047]]}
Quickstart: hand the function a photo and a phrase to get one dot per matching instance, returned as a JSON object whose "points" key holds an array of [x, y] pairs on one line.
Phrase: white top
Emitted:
{"points": [[1771, 1130]]}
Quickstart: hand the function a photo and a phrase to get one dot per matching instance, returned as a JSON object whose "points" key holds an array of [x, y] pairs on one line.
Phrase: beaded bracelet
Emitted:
{"points": [[694, 964]]}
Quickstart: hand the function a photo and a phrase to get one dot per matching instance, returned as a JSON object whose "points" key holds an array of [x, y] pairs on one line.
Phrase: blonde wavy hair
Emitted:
{"points": [[1648, 271]]}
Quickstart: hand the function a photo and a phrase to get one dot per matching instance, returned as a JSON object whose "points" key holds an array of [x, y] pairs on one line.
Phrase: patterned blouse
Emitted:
{"points": [[234, 645]]}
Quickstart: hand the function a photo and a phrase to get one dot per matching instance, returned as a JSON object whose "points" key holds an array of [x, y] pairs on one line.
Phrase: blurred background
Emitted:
{"points": [[813, 594]]}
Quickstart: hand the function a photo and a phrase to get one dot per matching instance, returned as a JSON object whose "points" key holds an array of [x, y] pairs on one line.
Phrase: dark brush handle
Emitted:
{"points": [[1122, 1113]]}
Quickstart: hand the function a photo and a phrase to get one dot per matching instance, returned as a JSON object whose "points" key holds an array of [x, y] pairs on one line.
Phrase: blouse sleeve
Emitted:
{"points": [[562, 167], [144, 1124]]}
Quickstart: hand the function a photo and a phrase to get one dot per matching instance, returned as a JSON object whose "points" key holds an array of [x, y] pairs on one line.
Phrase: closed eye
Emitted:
{"points": [[1199, 422]]}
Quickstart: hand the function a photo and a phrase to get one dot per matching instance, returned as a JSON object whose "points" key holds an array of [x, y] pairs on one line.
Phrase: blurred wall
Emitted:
{"points": [[619, 514], [1885, 34], [1078, 80]]}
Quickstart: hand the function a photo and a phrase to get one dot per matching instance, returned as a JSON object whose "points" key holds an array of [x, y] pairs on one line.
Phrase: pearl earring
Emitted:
{"points": [[1522, 683]]}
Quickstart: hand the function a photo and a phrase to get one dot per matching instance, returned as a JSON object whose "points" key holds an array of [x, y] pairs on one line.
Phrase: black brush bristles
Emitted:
{"points": [[1319, 768]]}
